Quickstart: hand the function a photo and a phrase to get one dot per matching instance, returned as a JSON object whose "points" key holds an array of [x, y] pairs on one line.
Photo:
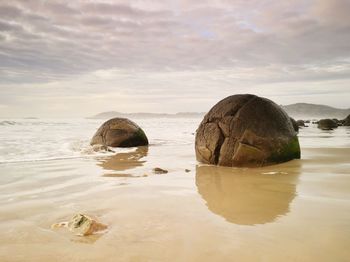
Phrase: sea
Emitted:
{"points": [[294, 211]]}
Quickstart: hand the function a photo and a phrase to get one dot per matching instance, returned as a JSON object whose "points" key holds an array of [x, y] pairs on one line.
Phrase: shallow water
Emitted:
{"points": [[296, 211]]}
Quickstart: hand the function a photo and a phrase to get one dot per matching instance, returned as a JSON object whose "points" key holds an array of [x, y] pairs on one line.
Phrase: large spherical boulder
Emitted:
{"points": [[327, 124], [246, 130], [119, 132]]}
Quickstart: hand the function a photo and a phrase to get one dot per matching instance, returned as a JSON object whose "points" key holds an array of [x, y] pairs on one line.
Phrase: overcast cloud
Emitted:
{"points": [[78, 58]]}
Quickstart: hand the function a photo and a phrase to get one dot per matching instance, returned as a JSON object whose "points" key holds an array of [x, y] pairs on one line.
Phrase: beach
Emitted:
{"points": [[295, 211]]}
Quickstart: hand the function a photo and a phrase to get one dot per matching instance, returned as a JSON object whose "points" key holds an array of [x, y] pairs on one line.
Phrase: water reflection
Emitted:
{"points": [[248, 196], [124, 161]]}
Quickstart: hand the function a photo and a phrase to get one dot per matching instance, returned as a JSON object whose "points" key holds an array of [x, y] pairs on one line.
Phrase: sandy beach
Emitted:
{"points": [[174, 131], [296, 211]]}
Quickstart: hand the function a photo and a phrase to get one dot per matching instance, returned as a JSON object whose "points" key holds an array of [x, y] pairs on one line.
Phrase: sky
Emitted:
{"points": [[78, 58]]}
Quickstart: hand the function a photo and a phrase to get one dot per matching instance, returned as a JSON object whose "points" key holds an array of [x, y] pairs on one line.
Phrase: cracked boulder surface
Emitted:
{"points": [[119, 132], [246, 130]]}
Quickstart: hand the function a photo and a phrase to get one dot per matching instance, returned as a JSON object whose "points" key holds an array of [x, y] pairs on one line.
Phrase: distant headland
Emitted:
{"points": [[304, 110], [298, 111], [111, 114]]}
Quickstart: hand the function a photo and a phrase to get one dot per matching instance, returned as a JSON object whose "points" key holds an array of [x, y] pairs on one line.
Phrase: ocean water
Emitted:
{"points": [[46, 139], [295, 211], [23, 140]]}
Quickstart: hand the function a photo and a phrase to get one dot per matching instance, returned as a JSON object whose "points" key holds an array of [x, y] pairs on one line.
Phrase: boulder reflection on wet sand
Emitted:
{"points": [[124, 161], [247, 196]]}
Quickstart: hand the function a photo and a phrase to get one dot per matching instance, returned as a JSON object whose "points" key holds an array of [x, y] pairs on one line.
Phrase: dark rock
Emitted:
{"points": [[246, 130], [119, 132], [295, 124], [159, 171], [187, 170], [338, 122], [327, 124], [300, 123], [346, 121]]}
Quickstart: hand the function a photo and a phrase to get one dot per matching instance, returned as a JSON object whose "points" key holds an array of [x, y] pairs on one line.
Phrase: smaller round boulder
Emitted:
{"points": [[119, 132], [327, 124]]}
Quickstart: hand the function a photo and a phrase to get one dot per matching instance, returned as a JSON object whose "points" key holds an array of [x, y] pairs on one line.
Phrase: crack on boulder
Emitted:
{"points": [[238, 109], [218, 145], [104, 134], [244, 105], [206, 145], [247, 144]]}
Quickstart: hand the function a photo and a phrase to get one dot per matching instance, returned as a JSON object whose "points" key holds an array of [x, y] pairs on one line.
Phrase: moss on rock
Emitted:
{"points": [[287, 152]]}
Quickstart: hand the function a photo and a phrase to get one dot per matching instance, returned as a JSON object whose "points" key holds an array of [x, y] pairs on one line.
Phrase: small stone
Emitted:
{"points": [[81, 225], [159, 171], [187, 170], [84, 225]]}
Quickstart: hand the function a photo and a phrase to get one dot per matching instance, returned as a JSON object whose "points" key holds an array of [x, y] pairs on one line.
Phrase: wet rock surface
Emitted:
{"points": [[119, 132], [246, 130]]}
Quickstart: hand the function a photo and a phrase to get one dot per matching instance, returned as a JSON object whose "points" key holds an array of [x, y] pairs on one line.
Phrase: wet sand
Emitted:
{"points": [[296, 211]]}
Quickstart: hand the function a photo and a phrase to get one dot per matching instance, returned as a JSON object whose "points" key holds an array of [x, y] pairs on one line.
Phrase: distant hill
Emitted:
{"points": [[297, 111], [304, 110], [111, 114]]}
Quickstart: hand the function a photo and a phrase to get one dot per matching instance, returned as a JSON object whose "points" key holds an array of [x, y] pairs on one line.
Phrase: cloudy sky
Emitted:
{"points": [[79, 58]]}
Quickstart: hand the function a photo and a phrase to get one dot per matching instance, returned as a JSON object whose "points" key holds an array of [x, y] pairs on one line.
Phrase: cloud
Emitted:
{"points": [[205, 46]]}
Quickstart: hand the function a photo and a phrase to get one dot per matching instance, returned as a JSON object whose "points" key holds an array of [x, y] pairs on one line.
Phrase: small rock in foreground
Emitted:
{"points": [[81, 225]]}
